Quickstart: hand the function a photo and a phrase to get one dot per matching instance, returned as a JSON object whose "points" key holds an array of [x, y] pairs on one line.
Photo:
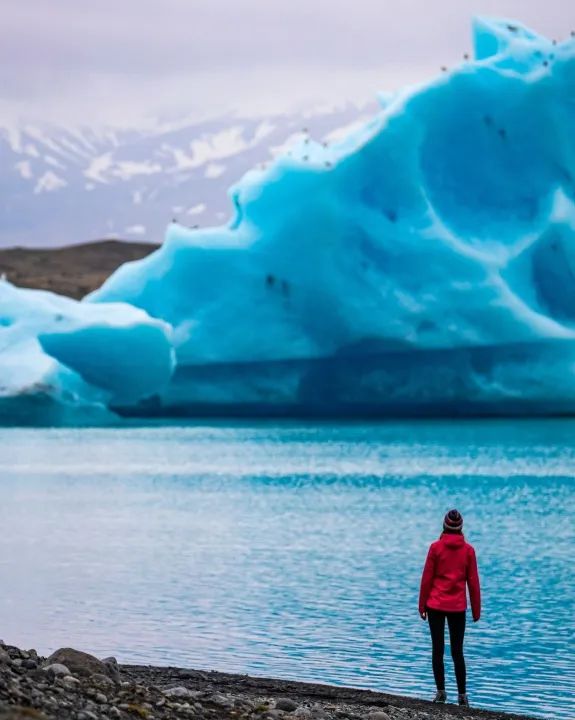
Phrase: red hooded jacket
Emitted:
{"points": [[450, 566]]}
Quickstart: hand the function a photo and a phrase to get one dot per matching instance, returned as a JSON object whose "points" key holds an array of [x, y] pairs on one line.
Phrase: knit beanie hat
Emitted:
{"points": [[452, 521]]}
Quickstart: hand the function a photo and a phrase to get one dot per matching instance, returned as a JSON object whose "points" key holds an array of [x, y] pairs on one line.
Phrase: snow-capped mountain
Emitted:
{"points": [[63, 185]]}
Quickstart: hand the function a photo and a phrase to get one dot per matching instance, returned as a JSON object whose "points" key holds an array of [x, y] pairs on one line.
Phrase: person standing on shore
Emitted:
{"points": [[450, 568]]}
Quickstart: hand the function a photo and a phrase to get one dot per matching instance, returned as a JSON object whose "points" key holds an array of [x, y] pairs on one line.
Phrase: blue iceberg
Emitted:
{"points": [[423, 265]]}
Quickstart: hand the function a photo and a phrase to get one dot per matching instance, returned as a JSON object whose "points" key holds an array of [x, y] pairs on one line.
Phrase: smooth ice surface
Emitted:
{"points": [[295, 550], [424, 264], [61, 359]]}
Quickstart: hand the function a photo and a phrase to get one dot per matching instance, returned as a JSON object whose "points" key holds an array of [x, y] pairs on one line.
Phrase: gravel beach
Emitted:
{"points": [[73, 684]]}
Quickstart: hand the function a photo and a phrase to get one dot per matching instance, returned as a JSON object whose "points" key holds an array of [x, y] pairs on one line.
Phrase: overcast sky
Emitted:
{"points": [[124, 61]]}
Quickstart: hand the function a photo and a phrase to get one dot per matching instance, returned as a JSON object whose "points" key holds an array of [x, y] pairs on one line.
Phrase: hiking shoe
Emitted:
{"points": [[463, 699], [440, 697]]}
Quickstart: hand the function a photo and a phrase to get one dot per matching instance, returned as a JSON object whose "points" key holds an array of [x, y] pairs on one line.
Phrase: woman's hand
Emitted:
{"points": [[423, 615]]}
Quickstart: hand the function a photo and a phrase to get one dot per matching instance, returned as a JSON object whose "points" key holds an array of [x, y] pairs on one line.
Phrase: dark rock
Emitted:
{"points": [[113, 668], [286, 704], [38, 675]]}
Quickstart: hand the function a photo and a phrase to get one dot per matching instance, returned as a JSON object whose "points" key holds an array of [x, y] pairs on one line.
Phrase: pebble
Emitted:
{"points": [[221, 700], [378, 715], [4, 657], [303, 712], [102, 681], [56, 669], [69, 681], [179, 692]]}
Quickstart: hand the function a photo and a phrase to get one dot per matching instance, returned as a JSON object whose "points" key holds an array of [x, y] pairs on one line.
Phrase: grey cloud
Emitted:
{"points": [[58, 48]]}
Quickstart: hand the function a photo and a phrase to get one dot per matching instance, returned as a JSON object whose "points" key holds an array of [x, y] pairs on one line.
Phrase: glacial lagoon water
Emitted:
{"points": [[294, 550]]}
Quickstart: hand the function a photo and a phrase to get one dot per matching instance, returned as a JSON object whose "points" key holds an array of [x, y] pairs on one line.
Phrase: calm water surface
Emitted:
{"points": [[294, 551]]}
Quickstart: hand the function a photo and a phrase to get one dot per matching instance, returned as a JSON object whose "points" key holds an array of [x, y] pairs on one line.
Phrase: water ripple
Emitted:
{"points": [[294, 551]]}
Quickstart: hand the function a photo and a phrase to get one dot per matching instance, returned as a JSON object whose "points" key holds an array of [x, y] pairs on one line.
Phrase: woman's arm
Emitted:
{"points": [[473, 584], [426, 582]]}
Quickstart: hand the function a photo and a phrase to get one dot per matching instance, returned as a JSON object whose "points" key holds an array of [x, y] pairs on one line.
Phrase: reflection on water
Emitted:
{"points": [[294, 551]]}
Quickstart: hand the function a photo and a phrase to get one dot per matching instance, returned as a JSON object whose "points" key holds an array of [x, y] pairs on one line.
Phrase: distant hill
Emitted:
{"points": [[75, 270]]}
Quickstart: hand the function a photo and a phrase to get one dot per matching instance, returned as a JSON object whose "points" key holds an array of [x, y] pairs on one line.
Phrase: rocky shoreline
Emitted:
{"points": [[77, 686]]}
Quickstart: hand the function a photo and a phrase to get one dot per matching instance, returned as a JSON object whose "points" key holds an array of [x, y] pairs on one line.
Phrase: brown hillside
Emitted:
{"points": [[74, 270]]}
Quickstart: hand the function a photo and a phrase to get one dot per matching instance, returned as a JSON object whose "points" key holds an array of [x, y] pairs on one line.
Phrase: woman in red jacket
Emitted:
{"points": [[449, 568]]}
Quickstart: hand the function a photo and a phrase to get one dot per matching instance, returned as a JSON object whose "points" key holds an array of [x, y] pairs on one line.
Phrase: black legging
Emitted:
{"points": [[456, 623]]}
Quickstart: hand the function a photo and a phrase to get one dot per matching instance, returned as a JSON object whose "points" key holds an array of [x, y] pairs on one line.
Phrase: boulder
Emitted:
{"points": [[81, 663]]}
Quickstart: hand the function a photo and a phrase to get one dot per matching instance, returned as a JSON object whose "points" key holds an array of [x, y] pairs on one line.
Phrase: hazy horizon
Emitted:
{"points": [[128, 65]]}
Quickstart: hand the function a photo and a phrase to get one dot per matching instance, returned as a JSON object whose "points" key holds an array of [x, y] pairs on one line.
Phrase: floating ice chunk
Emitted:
{"points": [[77, 354]]}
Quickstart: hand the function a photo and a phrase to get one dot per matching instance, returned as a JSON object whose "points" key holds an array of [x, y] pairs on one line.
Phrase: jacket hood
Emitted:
{"points": [[452, 540]]}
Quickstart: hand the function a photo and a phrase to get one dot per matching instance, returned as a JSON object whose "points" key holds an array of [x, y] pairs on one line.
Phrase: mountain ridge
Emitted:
{"points": [[87, 183]]}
